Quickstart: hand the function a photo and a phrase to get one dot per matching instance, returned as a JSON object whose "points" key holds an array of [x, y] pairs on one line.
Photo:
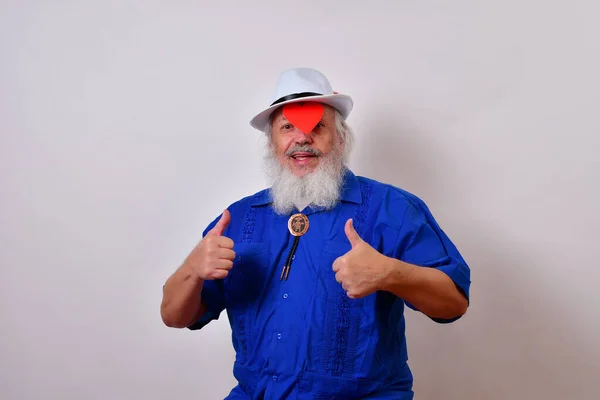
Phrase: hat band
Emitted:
{"points": [[295, 96]]}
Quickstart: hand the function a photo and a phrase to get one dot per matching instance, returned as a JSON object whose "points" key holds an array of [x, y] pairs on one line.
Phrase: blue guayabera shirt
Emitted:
{"points": [[304, 338]]}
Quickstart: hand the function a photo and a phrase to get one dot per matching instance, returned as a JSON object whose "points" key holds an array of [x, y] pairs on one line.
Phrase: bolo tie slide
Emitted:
{"points": [[298, 226]]}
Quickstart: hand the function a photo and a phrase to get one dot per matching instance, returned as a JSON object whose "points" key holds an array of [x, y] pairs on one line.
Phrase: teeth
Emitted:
{"points": [[300, 157]]}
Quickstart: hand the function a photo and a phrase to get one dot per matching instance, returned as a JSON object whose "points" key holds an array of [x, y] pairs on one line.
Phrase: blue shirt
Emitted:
{"points": [[304, 338]]}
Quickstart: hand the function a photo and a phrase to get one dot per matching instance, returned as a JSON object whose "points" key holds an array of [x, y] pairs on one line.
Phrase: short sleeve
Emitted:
{"points": [[422, 242], [213, 294]]}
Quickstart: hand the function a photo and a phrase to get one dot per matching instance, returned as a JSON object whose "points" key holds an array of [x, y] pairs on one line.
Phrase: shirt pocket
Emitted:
{"points": [[244, 282], [327, 287], [319, 387]]}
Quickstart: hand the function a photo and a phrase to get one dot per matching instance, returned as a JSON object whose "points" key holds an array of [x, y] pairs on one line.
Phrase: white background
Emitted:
{"points": [[124, 131]]}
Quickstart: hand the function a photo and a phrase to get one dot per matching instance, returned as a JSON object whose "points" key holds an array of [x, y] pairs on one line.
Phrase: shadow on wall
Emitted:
{"points": [[518, 339]]}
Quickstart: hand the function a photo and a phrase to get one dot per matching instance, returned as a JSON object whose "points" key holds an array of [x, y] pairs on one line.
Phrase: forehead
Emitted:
{"points": [[277, 115]]}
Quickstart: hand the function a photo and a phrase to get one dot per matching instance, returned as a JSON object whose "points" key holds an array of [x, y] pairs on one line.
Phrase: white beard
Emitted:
{"points": [[321, 187]]}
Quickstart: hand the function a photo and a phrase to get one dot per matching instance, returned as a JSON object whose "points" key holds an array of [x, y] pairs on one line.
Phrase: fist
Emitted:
{"points": [[362, 270], [213, 256]]}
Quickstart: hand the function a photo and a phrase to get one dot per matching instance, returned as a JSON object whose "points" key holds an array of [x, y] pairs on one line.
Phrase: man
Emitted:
{"points": [[315, 271]]}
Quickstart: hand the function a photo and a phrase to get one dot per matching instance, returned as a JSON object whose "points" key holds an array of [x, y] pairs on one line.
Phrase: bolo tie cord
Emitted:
{"points": [[288, 262], [297, 225]]}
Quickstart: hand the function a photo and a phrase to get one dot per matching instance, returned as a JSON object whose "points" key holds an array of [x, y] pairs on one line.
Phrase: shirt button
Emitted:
{"points": [[275, 378], [279, 336], [285, 295]]}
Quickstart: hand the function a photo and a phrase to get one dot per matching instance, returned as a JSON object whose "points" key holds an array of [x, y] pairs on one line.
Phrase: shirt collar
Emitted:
{"points": [[350, 192]]}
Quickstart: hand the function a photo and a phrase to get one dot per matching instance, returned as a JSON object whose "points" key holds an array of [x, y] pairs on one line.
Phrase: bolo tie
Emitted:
{"points": [[298, 226]]}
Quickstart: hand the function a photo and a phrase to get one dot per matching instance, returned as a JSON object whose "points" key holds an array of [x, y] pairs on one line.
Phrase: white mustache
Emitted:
{"points": [[303, 149]]}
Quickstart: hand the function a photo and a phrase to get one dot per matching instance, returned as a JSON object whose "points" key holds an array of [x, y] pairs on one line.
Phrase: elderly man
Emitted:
{"points": [[315, 271]]}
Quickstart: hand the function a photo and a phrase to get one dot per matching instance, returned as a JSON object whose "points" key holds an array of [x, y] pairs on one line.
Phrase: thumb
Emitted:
{"points": [[219, 228], [351, 233]]}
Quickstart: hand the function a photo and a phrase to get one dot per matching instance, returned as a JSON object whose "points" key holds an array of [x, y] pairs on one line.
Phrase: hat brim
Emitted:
{"points": [[341, 102]]}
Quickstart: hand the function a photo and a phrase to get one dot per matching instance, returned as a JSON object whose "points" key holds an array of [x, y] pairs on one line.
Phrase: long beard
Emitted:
{"points": [[321, 187]]}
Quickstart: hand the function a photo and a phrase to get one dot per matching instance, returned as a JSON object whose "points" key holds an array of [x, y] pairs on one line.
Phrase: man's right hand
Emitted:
{"points": [[213, 256]]}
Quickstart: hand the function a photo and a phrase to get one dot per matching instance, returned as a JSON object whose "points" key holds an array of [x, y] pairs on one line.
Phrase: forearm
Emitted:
{"points": [[428, 289], [181, 304]]}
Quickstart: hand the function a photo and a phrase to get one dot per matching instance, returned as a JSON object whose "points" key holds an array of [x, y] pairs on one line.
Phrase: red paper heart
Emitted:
{"points": [[304, 115]]}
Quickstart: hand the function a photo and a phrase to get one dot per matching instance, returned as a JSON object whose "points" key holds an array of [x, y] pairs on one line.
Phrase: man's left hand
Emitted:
{"points": [[362, 270]]}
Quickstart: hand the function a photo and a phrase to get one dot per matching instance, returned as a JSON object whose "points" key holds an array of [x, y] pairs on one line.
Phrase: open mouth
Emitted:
{"points": [[301, 156]]}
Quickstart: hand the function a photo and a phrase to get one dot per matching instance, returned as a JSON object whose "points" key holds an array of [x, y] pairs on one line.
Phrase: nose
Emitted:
{"points": [[301, 137]]}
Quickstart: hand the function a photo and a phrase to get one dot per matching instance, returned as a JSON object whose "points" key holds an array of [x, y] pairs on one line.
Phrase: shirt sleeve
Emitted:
{"points": [[422, 242], [213, 294]]}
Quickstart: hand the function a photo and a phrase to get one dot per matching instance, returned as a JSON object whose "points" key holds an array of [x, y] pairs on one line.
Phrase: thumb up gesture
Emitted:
{"points": [[213, 256], [362, 270]]}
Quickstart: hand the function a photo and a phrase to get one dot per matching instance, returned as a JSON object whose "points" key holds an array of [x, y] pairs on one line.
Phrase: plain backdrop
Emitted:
{"points": [[124, 132]]}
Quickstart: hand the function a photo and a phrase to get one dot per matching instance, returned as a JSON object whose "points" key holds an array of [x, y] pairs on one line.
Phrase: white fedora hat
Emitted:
{"points": [[302, 84]]}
